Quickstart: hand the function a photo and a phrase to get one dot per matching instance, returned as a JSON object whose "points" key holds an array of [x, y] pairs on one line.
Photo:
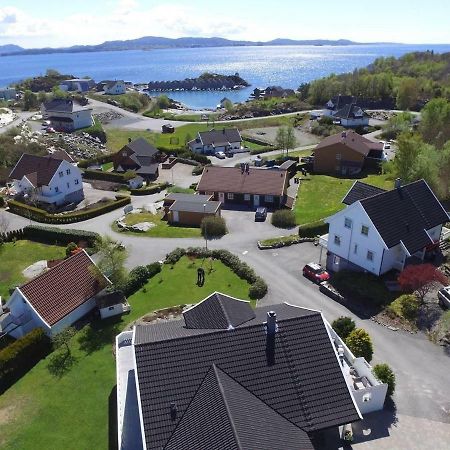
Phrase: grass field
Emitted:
{"points": [[42, 411], [16, 256], [320, 196], [161, 228]]}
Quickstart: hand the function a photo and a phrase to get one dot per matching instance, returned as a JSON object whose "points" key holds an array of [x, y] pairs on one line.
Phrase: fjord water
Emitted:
{"points": [[287, 66]]}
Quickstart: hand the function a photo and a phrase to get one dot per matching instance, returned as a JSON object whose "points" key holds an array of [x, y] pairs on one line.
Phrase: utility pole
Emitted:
{"points": [[206, 235]]}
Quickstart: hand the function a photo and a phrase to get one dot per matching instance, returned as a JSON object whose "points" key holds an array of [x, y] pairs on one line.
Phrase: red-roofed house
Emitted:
{"points": [[55, 299]]}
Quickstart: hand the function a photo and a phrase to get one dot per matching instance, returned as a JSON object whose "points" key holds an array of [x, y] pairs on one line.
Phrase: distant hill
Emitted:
{"points": [[10, 48], [152, 42]]}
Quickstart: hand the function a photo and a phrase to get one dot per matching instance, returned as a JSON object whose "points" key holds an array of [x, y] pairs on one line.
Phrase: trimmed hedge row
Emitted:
{"points": [[102, 159], [257, 151], [138, 277], [104, 176], [258, 288], [51, 235], [313, 229], [149, 190], [40, 215], [20, 356]]}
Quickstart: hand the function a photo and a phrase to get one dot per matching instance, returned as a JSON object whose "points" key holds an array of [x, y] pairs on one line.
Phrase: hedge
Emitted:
{"points": [[283, 218], [20, 356], [313, 229], [138, 277], [40, 215], [104, 176], [102, 159], [52, 235], [258, 288], [149, 190], [257, 151]]}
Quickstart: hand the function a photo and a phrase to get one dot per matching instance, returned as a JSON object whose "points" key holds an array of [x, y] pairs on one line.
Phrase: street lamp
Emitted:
{"points": [[204, 215]]}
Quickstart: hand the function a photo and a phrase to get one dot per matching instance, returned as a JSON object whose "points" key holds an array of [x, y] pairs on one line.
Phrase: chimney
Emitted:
{"points": [[173, 410], [129, 140], [242, 167], [398, 183], [247, 168], [271, 329]]}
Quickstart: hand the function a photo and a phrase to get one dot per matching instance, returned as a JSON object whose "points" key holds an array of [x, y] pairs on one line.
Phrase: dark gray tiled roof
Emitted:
{"points": [[142, 147], [301, 380], [350, 111], [359, 191], [218, 311], [220, 137], [223, 415], [187, 206], [187, 197], [38, 169], [403, 214]]}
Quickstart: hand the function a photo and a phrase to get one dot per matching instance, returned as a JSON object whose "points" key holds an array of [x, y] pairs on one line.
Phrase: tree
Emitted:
{"points": [[400, 123], [285, 138], [228, 105], [343, 326], [303, 91], [421, 279], [213, 227], [163, 102], [280, 138], [57, 92], [360, 344], [408, 150], [408, 93], [386, 375], [111, 259], [409, 307], [30, 100], [435, 122], [63, 338]]}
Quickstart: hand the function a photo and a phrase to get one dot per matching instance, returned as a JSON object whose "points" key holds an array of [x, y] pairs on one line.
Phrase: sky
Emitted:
{"points": [[40, 23]]}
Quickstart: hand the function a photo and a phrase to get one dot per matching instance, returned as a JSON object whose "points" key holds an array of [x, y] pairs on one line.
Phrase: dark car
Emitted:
{"points": [[229, 154], [315, 272], [260, 214]]}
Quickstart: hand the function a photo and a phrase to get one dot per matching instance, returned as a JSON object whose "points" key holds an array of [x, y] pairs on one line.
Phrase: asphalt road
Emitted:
{"points": [[422, 368]]}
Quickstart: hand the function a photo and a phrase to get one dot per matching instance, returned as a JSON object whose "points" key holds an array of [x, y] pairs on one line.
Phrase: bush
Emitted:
{"points": [[213, 227], [20, 356], [102, 159], [343, 326], [283, 218], [96, 131], [313, 229], [197, 170], [138, 277], [386, 375], [258, 289], [40, 215], [409, 306], [153, 269], [114, 177], [71, 247], [360, 344], [154, 189], [53, 235], [175, 255]]}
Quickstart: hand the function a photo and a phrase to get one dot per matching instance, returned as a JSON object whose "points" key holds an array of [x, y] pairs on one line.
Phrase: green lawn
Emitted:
{"points": [[71, 412], [118, 137], [320, 196], [180, 190], [107, 166], [162, 228], [16, 256]]}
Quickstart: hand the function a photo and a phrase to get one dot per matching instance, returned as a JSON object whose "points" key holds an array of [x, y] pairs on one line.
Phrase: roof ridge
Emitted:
{"points": [[222, 307], [419, 210]]}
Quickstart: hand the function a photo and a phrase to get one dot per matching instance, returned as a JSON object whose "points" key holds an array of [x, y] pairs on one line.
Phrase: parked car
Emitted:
{"points": [[220, 155], [315, 272], [444, 297], [229, 154], [260, 214]]}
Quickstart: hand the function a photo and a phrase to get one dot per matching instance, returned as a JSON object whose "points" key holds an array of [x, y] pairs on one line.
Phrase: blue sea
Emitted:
{"points": [[287, 66]]}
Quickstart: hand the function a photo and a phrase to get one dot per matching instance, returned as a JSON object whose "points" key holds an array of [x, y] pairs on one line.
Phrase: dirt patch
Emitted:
{"points": [[268, 134], [392, 321]]}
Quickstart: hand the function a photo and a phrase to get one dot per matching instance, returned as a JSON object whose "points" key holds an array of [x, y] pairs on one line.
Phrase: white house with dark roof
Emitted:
{"points": [[352, 116], [55, 299], [115, 87], [228, 139], [67, 115], [203, 381], [47, 179], [383, 230]]}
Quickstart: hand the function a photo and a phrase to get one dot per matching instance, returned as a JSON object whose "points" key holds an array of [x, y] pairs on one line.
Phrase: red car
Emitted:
{"points": [[315, 272]]}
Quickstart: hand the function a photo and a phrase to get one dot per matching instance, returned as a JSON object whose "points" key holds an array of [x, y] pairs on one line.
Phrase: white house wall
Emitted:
{"points": [[66, 183], [435, 232], [393, 258], [71, 318], [349, 237]]}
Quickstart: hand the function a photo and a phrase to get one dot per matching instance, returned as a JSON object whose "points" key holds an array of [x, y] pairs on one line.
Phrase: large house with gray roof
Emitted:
{"points": [[67, 115], [208, 142], [227, 376], [382, 230]]}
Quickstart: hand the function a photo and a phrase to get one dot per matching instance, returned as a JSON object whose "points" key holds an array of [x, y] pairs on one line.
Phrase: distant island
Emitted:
{"points": [[155, 42]]}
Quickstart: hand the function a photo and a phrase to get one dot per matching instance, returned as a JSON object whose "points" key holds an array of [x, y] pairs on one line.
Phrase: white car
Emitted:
{"points": [[444, 297], [387, 146], [220, 155]]}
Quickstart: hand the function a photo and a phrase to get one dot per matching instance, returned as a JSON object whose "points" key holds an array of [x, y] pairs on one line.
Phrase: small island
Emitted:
{"points": [[205, 82]]}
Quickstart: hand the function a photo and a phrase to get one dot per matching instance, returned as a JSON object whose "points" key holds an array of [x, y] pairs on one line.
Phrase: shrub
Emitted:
{"points": [[343, 326], [148, 190], [153, 269], [113, 177], [71, 246], [313, 229], [213, 227], [175, 255], [102, 159], [386, 375], [258, 289], [20, 356], [53, 235], [408, 305], [283, 218], [360, 344], [197, 170], [96, 131]]}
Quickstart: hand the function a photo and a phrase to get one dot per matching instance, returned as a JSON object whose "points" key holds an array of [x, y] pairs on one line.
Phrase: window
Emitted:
{"points": [[68, 184], [247, 197], [338, 156], [369, 255], [365, 230], [77, 181], [56, 189], [337, 239], [61, 174], [230, 196], [68, 171], [355, 249], [348, 223], [269, 198]]}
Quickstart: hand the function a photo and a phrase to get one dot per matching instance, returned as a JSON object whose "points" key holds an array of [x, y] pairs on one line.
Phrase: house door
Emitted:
{"points": [[256, 200], [176, 217], [221, 197]]}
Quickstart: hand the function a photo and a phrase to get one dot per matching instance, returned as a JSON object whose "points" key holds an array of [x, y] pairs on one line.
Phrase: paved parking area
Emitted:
{"points": [[178, 175]]}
